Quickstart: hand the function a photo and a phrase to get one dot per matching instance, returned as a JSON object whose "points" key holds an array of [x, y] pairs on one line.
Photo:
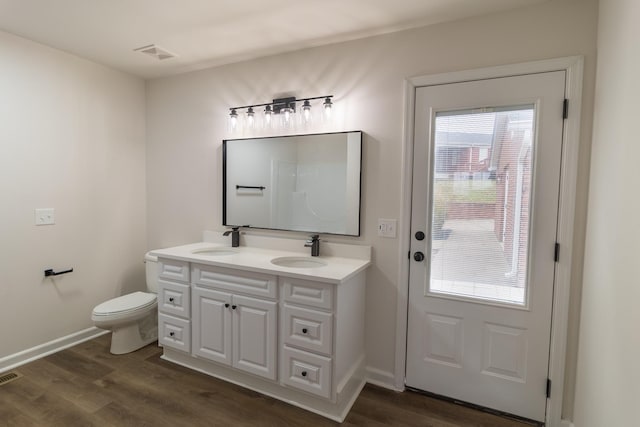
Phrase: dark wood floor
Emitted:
{"points": [[87, 386]]}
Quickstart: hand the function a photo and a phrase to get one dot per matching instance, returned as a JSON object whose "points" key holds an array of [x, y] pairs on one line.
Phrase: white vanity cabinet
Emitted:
{"points": [[234, 329], [297, 337]]}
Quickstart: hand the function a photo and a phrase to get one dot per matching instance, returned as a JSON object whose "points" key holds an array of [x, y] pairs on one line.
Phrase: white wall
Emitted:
{"points": [[72, 137], [187, 122], [608, 382]]}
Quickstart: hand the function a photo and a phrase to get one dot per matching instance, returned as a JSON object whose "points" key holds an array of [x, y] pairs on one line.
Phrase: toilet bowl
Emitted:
{"points": [[132, 318]]}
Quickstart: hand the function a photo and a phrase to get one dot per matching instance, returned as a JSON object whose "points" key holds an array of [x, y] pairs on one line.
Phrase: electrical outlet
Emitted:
{"points": [[387, 228], [45, 216]]}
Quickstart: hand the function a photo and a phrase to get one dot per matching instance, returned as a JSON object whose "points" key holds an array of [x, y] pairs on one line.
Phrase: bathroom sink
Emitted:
{"points": [[214, 251], [298, 262]]}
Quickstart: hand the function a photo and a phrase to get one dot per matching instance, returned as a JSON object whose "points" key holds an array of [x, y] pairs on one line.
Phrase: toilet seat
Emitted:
{"points": [[125, 306]]}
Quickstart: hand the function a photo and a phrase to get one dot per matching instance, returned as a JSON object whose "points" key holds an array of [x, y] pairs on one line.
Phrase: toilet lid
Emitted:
{"points": [[133, 301]]}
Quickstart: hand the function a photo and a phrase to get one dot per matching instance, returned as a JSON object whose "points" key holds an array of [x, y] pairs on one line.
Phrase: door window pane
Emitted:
{"points": [[481, 187]]}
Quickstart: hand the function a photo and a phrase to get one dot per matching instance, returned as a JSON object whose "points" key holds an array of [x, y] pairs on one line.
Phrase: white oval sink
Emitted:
{"points": [[214, 251], [298, 262]]}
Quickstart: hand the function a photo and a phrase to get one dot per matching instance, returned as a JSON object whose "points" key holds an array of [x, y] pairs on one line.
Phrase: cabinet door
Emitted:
{"points": [[255, 336], [211, 325]]}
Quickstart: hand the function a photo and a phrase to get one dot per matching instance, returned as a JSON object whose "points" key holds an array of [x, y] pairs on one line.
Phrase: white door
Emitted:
{"points": [[485, 196], [254, 336]]}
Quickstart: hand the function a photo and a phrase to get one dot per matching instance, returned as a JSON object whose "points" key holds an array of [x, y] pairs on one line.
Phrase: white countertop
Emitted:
{"points": [[257, 259]]}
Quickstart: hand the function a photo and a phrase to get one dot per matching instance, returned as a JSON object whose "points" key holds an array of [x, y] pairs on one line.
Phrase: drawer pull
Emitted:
{"points": [[303, 373], [226, 305], [233, 307], [171, 299], [171, 334], [304, 330]]}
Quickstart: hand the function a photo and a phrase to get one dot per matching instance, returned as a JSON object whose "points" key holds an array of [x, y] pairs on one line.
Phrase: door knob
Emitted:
{"points": [[418, 256]]}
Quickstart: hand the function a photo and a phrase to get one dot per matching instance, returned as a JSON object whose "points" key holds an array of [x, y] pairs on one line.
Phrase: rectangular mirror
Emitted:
{"points": [[305, 183]]}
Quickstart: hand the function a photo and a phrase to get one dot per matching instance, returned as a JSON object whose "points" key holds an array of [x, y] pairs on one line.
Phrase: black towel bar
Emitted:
{"points": [[50, 272], [252, 187]]}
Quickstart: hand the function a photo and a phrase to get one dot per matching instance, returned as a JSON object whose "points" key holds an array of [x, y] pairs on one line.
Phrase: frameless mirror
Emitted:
{"points": [[305, 183]]}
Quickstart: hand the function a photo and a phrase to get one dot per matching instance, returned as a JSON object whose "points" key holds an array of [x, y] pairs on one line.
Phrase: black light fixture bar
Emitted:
{"points": [[280, 103]]}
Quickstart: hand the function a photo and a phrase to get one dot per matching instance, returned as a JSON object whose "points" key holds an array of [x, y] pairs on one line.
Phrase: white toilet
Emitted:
{"points": [[132, 318]]}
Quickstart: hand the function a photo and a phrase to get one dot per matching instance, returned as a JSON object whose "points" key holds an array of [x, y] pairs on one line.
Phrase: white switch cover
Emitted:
{"points": [[387, 227], [45, 216]]}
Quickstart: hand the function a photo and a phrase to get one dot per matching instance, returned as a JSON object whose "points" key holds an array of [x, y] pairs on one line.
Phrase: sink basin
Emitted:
{"points": [[298, 262], [214, 251]]}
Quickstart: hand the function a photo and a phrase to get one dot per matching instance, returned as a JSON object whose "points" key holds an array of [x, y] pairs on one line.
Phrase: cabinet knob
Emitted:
{"points": [[233, 307], [171, 299], [171, 334], [303, 373], [304, 330], [226, 305]]}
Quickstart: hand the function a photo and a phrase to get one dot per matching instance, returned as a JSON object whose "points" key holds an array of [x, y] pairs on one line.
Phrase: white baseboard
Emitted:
{"points": [[566, 423], [381, 378], [29, 355]]}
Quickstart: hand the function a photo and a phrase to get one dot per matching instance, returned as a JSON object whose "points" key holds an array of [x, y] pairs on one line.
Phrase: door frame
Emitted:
{"points": [[573, 66]]}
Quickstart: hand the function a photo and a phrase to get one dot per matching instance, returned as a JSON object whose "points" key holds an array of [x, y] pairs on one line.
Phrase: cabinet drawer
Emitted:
{"points": [[308, 329], [174, 298], [306, 371], [249, 283], [306, 292], [174, 332], [173, 270]]}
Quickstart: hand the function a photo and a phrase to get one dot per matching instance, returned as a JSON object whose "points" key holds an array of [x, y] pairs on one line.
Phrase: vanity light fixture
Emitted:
{"points": [[285, 108]]}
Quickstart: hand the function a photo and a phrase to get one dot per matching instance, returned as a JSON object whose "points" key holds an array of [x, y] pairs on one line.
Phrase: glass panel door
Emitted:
{"points": [[481, 187]]}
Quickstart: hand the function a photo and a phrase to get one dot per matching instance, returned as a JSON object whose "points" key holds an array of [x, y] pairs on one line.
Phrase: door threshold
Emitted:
{"points": [[476, 407]]}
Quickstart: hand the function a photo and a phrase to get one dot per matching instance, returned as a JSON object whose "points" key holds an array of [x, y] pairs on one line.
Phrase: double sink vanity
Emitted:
{"points": [[268, 316]]}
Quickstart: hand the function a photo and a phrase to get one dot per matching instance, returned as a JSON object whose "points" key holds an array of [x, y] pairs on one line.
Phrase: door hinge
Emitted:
{"points": [[556, 254], [548, 388], [565, 109], [409, 255]]}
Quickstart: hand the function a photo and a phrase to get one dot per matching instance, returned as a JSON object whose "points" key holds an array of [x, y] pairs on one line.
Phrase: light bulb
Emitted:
{"points": [[327, 107], [233, 119], [267, 116], [250, 117], [306, 111]]}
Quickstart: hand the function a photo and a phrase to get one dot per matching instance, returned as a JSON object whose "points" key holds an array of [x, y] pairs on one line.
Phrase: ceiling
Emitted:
{"points": [[205, 33]]}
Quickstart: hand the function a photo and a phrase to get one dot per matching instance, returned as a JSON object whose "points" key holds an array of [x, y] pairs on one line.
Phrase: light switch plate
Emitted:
{"points": [[45, 216], [387, 228]]}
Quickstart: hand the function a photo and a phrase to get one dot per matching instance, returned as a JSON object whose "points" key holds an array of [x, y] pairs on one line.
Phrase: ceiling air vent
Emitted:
{"points": [[155, 51]]}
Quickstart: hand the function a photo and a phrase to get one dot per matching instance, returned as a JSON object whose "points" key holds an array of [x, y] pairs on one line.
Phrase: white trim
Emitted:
{"points": [[404, 233], [382, 379], [34, 353], [566, 423], [571, 141]]}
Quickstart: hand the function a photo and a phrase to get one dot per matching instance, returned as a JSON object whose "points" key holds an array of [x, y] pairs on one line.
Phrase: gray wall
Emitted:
{"points": [[72, 137]]}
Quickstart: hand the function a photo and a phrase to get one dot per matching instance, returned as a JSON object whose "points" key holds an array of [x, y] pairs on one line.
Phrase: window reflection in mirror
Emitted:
{"points": [[305, 183]]}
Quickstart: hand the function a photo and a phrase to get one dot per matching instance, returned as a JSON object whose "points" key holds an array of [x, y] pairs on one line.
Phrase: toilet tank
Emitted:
{"points": [[151, 272]]}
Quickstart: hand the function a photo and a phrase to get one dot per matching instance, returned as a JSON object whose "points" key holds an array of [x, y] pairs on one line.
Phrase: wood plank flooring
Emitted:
{"points": [[87, 386]]}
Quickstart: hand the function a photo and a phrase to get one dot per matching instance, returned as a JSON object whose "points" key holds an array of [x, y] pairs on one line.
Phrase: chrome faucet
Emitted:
{"points": [[314, 244], [235, 236]]}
